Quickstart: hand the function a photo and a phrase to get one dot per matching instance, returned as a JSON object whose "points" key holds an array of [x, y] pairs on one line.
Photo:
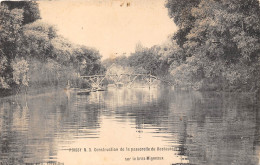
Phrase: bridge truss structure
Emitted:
{"points": [[127, 80]]}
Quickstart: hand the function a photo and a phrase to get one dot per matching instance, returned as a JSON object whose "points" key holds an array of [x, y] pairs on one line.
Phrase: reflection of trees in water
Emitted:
{"points": [[8, 135], [208, 128], [14, 148], [124, 97], [31, 130], [257, 127], [144, 105], [221, 129]]}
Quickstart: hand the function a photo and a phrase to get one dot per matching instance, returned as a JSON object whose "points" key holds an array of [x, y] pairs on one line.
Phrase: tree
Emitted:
{"points": [[30, 9], [10, 37], [32, 50], [37, 41], [87, 60], [20, 70], [222, 43], [180, 11], [144, 59]]}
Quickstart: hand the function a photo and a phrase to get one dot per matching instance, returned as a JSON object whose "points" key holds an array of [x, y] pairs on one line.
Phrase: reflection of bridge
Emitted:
{"points": [[122, 79]]}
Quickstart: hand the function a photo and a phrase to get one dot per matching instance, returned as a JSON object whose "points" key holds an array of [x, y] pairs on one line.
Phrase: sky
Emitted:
{"points": [[110, 26]]}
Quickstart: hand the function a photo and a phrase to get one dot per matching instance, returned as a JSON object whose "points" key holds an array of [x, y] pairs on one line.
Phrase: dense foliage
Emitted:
{"points": [[152, 60], [220, 42], [216, 46], [32, 53]]}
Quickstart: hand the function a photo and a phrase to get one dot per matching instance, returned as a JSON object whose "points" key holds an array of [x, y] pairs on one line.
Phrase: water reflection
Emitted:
{"points": [[204, 128]]}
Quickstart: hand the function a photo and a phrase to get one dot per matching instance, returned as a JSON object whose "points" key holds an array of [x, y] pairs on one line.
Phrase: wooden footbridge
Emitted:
{"points": [[127, 80]]}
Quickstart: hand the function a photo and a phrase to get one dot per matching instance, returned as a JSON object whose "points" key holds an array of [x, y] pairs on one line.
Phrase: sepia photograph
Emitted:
{"points": [[130, 82]]}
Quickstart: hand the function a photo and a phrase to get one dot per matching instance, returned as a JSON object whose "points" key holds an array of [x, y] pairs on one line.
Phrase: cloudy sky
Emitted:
{"points": [[111, 26]]}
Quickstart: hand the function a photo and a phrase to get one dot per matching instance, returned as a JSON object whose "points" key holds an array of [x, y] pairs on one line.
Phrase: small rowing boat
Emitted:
{"points": [[83, 92], [100, 89]]}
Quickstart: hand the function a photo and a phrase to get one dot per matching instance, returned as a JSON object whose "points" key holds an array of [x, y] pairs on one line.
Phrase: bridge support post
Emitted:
{"points": [[150, 80]]}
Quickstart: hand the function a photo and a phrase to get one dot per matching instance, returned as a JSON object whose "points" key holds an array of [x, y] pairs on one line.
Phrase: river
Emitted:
{"points": [[130, 126]]}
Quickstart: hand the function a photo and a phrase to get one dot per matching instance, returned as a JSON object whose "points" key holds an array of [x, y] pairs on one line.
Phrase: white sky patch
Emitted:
{"points": [[109, 25]]}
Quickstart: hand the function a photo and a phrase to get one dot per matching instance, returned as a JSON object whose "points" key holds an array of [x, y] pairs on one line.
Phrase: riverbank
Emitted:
{"points": [[5, 93], [36, 90]]}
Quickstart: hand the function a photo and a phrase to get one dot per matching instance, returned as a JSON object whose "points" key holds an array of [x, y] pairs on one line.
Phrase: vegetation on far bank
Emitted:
{"points": [[216, 47], [32, 54]]}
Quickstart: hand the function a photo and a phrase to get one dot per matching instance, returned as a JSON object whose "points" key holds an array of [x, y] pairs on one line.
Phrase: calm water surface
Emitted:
{"points": [[197, 128]]}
